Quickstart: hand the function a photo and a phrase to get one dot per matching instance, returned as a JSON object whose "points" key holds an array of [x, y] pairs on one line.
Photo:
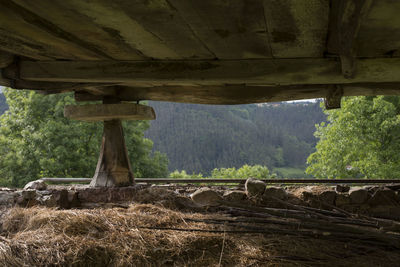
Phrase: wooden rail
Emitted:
{"points": [[235, 181]]}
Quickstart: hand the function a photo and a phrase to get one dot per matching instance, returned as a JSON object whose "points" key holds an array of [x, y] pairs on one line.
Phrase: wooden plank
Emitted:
{"points": [[297, 28], [22, 46], [46, 86], [212, 94], [110, 16], [379, 33], [5, 59], [345, 21], [239, 94], [4, 81], [105, 112], [32, 33], [63, 15], [164, 22], [230, 29], [174, 73]]}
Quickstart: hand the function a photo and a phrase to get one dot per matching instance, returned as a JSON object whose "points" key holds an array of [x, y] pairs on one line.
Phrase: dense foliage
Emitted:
{"points": [[200, 138], [362, 139], [246, 171], [3, 103], [37, 141]]}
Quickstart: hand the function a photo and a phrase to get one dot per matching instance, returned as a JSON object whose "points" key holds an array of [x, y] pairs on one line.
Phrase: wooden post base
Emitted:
{"points": [[113, 168]]}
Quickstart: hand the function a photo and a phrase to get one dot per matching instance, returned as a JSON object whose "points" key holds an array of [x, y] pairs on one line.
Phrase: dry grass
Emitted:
{"points": [[117, 237]]}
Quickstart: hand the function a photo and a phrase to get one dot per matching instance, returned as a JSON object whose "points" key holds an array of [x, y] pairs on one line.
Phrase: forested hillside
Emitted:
{"points": [[199, 138], [3, 104]]}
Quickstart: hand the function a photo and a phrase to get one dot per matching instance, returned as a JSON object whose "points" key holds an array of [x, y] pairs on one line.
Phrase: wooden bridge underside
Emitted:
{"points": [[208, 51]]}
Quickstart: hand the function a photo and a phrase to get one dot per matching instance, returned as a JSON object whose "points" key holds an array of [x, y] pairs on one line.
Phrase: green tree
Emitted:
{"points": [[183, 174], [37, 141], [3, 104], [362, 139], [246, 171]]}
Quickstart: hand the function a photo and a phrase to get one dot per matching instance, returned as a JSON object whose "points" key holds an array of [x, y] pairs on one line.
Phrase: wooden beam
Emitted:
{"points": [[5, 59], [5, 82], [113, 167], [183, 73], [229, 29], [334, 97], [105, 112], [240, 94], [230, 94], [345, 20], [297, 28]]}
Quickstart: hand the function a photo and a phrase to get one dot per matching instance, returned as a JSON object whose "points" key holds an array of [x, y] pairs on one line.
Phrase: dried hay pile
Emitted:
{"points": [[146, 234]]}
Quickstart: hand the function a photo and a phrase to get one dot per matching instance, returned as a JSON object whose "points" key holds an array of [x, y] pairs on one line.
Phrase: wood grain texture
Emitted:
{"points": [[166, 24], [239, 94], [110, 15], [113, 167], [68, 18], [344, 25], [379, 33], [230, 29], [104, 112], [297, 28], [181, 73], [24, 33], [5, 59]]}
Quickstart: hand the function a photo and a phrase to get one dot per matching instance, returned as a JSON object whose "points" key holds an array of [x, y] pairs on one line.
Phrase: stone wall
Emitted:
{"points": [[378, 201]]}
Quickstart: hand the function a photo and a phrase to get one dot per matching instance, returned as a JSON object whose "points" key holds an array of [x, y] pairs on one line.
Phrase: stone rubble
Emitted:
{"points": [[254, 187]]}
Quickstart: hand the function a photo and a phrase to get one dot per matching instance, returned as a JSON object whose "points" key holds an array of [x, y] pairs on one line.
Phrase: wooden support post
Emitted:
{"points": [[113, 167], [334, 97]]}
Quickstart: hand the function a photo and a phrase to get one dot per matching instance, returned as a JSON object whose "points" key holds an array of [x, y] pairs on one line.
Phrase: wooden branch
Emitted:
{"points": [[183, 73]]}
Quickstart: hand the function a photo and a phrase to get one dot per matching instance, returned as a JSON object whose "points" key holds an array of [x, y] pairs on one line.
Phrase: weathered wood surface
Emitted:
{"points": [[113, 167], [250, 72], [297, 28], [229, 29], [238, 94], [105, 112], [68, 45], [333, 98], [345, 22]]}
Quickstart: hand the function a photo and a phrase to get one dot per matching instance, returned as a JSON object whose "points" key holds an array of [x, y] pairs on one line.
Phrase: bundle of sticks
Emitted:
{"points": [[335, 224]]}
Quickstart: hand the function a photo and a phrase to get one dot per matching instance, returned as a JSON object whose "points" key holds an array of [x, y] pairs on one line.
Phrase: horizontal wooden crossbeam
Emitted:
{"points": [[105, 112], [217, 72]]}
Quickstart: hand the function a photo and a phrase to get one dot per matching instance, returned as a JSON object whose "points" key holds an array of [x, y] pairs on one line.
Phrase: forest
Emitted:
{"points": [[259, 140], [199, 138]]}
